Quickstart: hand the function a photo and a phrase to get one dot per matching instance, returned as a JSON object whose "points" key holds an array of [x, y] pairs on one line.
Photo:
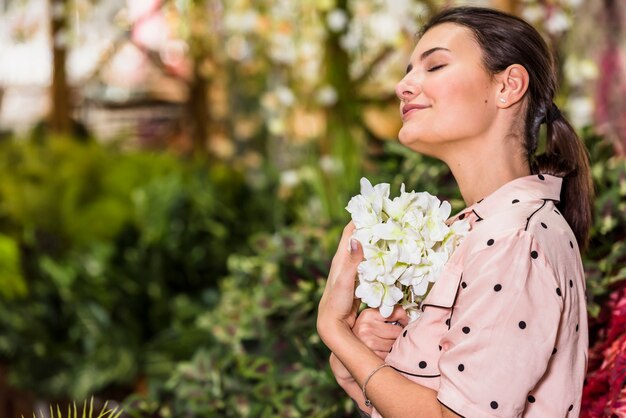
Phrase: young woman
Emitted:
{"points": [[503, 332]]}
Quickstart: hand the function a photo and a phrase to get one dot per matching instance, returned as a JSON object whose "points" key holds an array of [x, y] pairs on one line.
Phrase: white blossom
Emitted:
{"points": [[385, 26], [406, 243], [580, 111], [330, 164], [327, 96], [245, 22], [379, 295], [289, 178], [337, 20], [558, 23], [533, 13], [285, 95]]}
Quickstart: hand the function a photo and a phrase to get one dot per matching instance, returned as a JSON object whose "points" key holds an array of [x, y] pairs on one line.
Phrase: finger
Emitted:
{"points": [[367, 330], [399, 315], [390, 331], [378, 344], [349, 248], [343, 249], [346, 260]]}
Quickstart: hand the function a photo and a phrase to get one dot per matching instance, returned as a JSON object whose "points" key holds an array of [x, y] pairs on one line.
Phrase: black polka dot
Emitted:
{"points": [[558, 291], [390, 349], [479, 219], [461, 367], [480, 201], [515, 201], [554, 351], [494, 405], [463, 285], [571, 245], [423, 364], [531, 399], [466, 330], [448, 322], [534, 254], [490, 242], [570, 407], [571, 283], [557, 212], [522, 324], [497, 287], [462, 216], [404, 333], [541, 177], [576, 327], [544, 225], [439, 348]]}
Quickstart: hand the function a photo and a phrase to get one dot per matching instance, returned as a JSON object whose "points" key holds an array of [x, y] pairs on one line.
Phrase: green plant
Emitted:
{"points": [[72, 411], [106, 257], [606, 259], [264, 358]]}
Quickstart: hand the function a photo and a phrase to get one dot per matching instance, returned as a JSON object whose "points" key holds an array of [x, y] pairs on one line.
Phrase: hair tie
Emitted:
{"points": [[552, 114]]}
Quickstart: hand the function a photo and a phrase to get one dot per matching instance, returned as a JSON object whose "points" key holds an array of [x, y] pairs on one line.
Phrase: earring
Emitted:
{"points": [[502, 100]]}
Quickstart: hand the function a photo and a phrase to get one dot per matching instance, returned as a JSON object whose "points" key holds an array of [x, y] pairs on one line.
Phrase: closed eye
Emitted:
{"points": [[435, 68]]}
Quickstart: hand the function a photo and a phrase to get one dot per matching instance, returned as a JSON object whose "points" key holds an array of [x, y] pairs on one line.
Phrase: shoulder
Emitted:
{"points": [[536, 229]]}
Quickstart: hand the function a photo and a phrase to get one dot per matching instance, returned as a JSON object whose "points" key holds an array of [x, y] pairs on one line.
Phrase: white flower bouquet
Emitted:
{"points": [[406, 243]]}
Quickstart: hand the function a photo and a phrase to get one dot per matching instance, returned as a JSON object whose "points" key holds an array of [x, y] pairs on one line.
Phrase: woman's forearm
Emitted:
{"points": [[348, 384]]}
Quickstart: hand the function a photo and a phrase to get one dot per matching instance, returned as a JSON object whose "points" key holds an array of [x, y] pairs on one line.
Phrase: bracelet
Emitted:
{"points": [[368, 403]]}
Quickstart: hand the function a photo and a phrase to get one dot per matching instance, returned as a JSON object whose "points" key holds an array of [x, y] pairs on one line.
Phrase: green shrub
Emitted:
{"points": [[118, 252], [266, 360]]}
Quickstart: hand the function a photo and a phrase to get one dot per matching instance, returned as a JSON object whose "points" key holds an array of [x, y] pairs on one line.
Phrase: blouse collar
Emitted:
{"points": [[523, 189]]}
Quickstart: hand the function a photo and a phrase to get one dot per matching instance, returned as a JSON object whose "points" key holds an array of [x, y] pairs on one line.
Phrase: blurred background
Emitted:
{"points": [[173, 177]]}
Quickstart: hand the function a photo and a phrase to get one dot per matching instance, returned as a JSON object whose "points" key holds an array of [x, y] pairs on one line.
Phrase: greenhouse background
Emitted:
{"points": [[173, 178]]}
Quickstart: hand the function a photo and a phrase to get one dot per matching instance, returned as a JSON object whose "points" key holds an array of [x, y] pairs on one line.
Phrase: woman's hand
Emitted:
{"points": [[338, 306], [377, 332]]}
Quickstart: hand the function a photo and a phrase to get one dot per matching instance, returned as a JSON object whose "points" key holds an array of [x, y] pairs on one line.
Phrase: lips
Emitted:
{"points": [[408, 107]]}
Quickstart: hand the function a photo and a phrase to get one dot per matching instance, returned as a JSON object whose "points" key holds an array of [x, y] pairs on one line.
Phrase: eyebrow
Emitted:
{"points": [[425, 54]]}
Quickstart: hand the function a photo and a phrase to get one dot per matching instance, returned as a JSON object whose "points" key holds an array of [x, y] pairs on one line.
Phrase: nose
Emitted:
{"points": [[407, 89]]}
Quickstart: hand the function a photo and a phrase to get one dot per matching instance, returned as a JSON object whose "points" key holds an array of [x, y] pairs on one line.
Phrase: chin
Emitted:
{"points": [[418, 143], [411, 139]]}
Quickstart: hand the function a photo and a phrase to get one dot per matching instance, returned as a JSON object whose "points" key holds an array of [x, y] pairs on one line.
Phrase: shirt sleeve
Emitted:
{"points": [[503, 328]]}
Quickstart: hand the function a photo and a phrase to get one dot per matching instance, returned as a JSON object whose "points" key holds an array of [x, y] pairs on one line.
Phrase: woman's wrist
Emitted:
{"points": [[333, 332], [342, 375]]}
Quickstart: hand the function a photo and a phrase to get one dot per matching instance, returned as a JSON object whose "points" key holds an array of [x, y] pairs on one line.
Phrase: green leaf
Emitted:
{"points": [[12, 283]]}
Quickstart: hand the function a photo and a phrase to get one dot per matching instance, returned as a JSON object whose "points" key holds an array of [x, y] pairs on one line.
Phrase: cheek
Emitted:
{"points": [[462, 106]]}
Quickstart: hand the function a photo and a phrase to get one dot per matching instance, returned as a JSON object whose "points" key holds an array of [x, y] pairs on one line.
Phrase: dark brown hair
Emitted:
{"points": [[505, 40]]}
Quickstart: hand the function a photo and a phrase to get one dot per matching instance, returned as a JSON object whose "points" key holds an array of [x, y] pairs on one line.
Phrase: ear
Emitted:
{"points": [[512, 85]]}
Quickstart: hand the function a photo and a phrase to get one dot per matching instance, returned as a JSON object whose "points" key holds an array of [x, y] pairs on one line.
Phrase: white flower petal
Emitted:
{"points": [[370, 293], [385, 310], [420, 288]]}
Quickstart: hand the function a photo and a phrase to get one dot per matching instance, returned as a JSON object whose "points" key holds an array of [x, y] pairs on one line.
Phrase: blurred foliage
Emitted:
{"points": [[605, 262], [117, 252], [266, 359]]}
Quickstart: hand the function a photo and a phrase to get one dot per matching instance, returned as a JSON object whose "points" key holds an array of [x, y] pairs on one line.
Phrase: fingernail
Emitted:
{"points": [[354, 245]]}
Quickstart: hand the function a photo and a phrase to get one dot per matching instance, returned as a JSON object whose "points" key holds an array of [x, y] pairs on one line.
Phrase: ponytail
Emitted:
{"points": [[566, 156]]}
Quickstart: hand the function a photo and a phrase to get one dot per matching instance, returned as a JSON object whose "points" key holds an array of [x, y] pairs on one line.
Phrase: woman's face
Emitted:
{"points": [[446, 96]]}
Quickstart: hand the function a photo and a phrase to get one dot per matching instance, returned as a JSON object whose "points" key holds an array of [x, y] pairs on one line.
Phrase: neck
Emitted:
{"points": [[482, 168]]}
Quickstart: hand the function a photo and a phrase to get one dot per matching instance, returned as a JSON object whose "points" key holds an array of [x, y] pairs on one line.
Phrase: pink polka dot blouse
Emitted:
{"points": [[503, 332]]}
